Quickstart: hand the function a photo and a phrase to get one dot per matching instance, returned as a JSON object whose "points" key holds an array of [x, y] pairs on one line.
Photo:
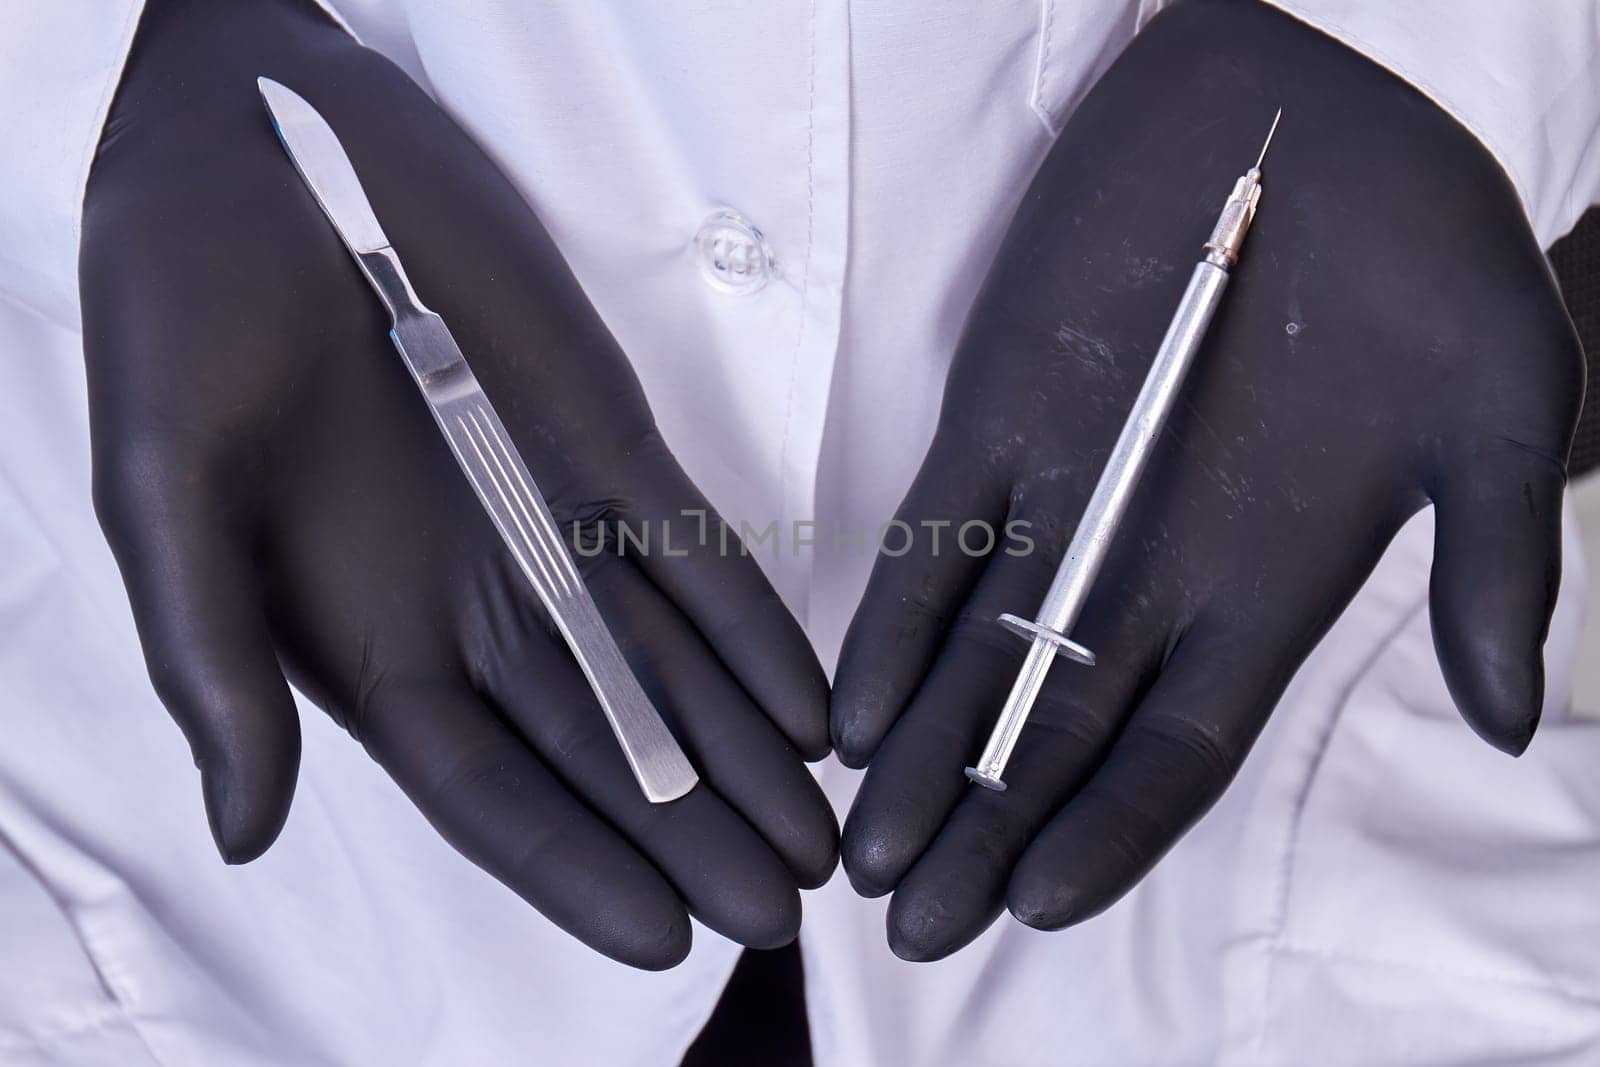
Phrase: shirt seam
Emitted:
{"points": [[805, 268], [102, 110], [52, 1037], [114, 1004], [1041, 69]]}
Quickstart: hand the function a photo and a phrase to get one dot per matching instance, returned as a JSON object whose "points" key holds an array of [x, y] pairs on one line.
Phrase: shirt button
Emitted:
{"points": [[734, 255]]}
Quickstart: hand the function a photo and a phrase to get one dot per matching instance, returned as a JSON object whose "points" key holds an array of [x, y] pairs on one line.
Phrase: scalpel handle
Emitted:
{"points": [[484, 450]]}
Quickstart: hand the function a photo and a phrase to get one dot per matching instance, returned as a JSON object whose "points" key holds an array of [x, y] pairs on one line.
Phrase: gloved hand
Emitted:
{"points": [[277, 495], [1392, 338]]}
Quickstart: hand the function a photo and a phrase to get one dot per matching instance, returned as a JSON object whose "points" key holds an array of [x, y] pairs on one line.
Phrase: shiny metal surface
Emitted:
{"points": [[1075, 575], [1091, 541], [484, 449]]}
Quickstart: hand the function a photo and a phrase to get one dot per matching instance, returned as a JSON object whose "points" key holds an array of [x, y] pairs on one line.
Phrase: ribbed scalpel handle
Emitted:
{"points": [[509, 495]]}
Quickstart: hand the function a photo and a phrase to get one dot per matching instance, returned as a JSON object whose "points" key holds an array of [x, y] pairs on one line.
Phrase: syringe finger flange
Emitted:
{"points": [[1029, 630]]}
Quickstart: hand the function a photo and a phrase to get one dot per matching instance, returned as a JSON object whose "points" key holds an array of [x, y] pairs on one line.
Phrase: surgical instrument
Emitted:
{"points": [[482, 447], [1091, 541]]}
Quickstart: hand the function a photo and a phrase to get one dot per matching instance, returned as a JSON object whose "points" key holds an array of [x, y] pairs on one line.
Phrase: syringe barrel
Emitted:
{"points": [[1112, 493]]}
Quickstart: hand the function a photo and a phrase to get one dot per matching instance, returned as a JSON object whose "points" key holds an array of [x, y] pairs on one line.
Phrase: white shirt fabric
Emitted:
{"points": [[1378, 887]]}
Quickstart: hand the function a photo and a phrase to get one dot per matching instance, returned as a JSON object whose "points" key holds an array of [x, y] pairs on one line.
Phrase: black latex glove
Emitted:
{"points": [[1392, 338], [278, 496]]}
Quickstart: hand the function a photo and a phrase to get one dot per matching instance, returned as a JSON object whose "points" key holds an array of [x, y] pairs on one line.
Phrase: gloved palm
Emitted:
{"points": [[278, 496], [1392, 338]]}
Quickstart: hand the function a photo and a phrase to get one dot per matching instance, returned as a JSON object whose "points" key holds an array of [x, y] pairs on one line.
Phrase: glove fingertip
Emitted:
{"points": [[664, 952], [1050, 891], [1499, 693], [856, 722], [1042, 905], [920, 930], [806, 725], [247, 800], [1496, 577], [853, 750], [874, 857], [1513, 741]]}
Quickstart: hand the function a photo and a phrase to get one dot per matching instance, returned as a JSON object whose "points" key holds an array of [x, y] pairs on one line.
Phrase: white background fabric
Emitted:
{"points": [[1379, 886]]}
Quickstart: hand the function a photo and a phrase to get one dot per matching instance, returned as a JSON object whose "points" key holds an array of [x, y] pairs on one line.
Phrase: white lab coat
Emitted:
{"points": [[1378, 887]]}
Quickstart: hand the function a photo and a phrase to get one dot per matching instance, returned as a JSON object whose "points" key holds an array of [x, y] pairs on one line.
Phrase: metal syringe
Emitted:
{"points": [[1075, 576]]}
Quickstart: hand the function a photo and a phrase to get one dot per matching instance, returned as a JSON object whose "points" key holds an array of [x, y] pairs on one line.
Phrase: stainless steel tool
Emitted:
{"points": [[482, 447], [1069, 590]]}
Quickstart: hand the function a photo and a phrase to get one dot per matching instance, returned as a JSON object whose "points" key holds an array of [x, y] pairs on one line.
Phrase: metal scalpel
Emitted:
{"points": [[482, 447], [1091, 542]]}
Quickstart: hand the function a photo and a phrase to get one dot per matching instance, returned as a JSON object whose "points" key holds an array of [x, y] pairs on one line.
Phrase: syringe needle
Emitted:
{"points": [[1262, 157]]}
